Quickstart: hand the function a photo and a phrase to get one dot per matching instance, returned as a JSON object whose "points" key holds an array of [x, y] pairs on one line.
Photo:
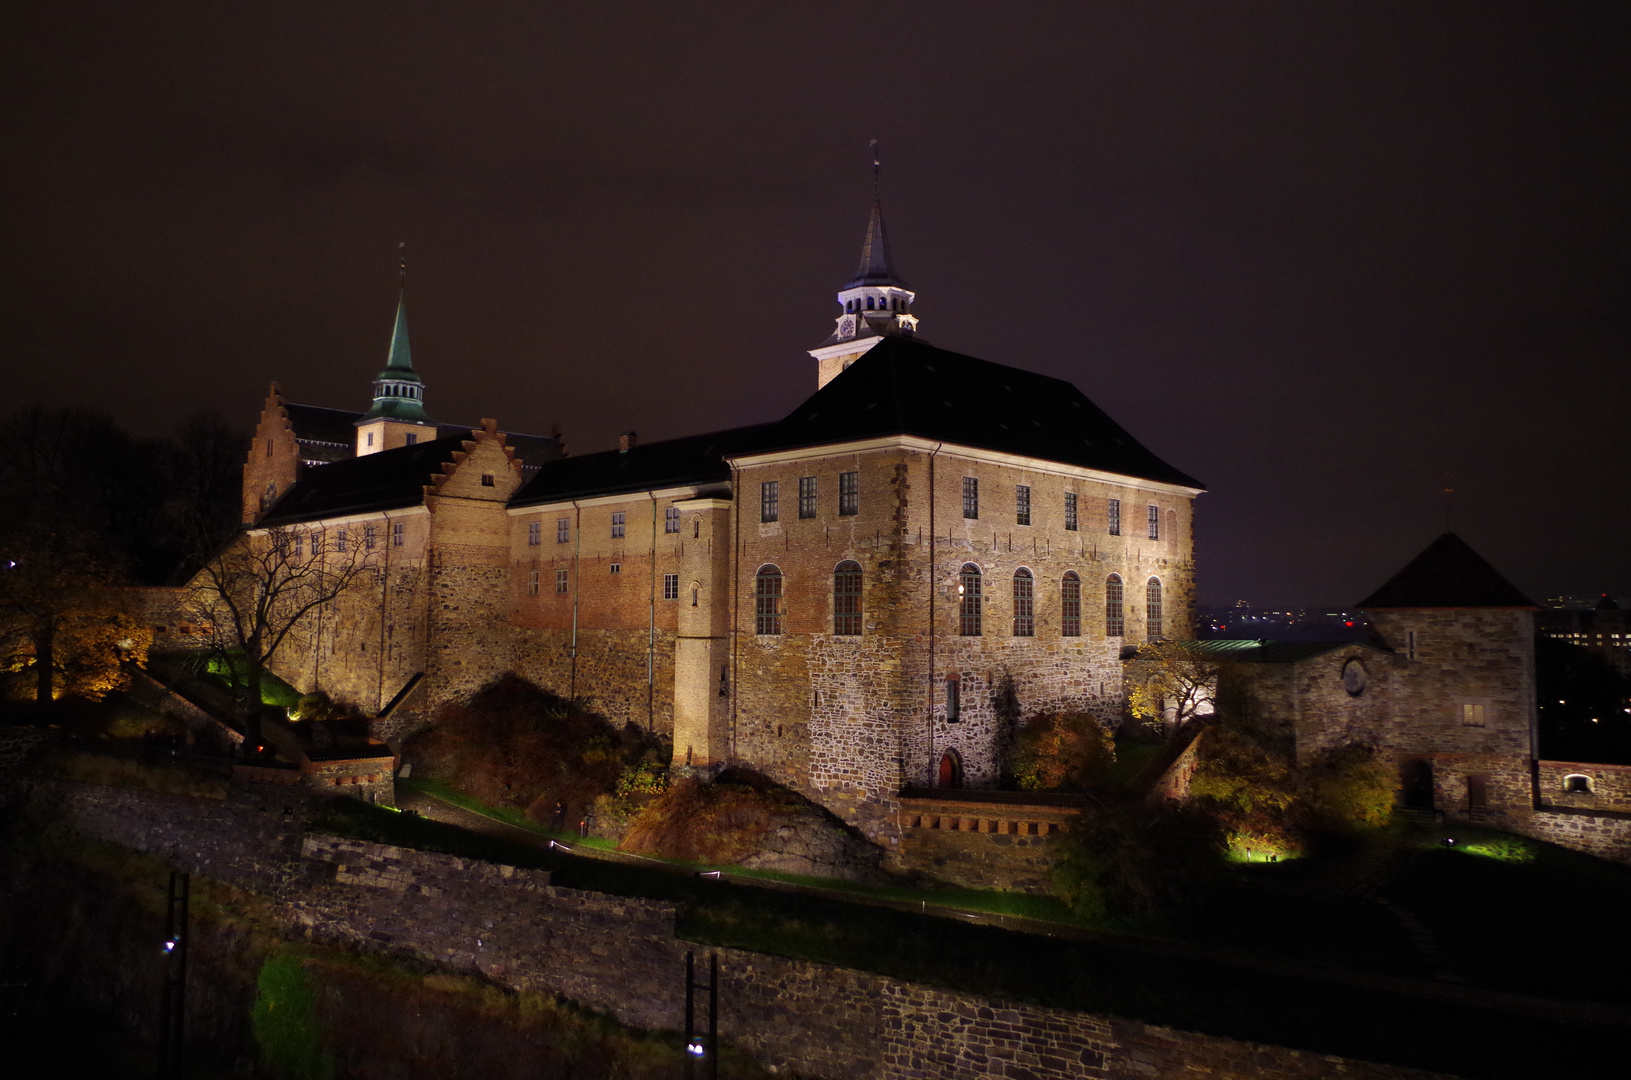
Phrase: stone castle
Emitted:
{"points": [[860, 598]]}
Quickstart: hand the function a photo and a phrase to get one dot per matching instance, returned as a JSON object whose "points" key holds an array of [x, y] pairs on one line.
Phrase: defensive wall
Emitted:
{"points": [[622, 955]]}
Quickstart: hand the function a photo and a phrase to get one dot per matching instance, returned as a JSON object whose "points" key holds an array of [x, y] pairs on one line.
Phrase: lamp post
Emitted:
{"points": [[173, 1001], [695, 1047]]}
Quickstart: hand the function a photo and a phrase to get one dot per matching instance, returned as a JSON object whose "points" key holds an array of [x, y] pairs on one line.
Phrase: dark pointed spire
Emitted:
{"points": [[400, 357], [877, 267], [399, 392]]}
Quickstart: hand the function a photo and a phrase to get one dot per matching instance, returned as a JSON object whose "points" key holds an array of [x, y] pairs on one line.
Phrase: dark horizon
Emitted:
{"points": [[1330, 261]]}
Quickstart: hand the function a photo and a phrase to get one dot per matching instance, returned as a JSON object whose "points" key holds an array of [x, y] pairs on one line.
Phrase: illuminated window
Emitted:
{"points": [[807, 496], [770, 500], [1024, 603], [767, 600], [1022, 504], [1472, 715], [535, 533], [560, 581], [563, 530], [1115, 624], [1112, 517], [1070, 605], [671, 519], [398, 532], [1152, 609], [671, 586], [849, 494], [971, 497], [532, 583], [846, 598], [1070, 511], [1155, 522], [969, 601], [617, 525]]}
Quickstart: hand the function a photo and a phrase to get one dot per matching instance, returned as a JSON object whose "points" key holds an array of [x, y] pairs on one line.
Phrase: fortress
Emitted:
{"points": [[863, 597]]}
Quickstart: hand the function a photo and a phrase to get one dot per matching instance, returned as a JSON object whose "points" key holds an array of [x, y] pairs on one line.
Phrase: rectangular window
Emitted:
{"points": [[399, 532], [846, 599], [563, 530], [1115, 622], [300, 543], [671, 586], [317, 542], [671, 519], [1070, 511], [560, 581], [368, 537], [954, 699], [617, 568], [617, 525], [807, 496], [487, 479], [1410, 647], [1070, 606], [1112, 517], [341, 539], [1472, 715], [849, 494], [535, 533], [1024, 605], [1022, 504], [412, 439], [532, 583], [971, 497], [1155, 522], [770, 500]]}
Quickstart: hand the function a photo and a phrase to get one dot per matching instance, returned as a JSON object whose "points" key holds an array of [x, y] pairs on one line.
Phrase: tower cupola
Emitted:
{"points": [[398, 416], [876, 303]]}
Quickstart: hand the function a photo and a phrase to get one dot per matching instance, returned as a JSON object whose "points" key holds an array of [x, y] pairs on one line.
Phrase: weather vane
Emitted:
{"points": [[402, 262], [877, 163]]}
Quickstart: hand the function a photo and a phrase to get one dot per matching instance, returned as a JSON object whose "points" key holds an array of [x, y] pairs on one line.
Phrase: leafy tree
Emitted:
{"points": [[1349, 787], [1061, 750], [1172, 685]]}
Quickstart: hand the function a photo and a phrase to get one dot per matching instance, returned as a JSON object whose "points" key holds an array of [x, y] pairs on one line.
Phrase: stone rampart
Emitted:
{"points": [[622, 955]]}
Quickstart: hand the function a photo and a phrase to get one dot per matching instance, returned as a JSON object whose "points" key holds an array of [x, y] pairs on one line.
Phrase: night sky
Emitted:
{"points": [[1331, 258]]}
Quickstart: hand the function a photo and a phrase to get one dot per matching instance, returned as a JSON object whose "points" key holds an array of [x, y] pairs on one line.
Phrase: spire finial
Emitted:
{"points": [[877, 165], [402, 262]]}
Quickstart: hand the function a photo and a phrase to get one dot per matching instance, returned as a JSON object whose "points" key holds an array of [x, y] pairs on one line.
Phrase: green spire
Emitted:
{"points": [[399, 393]]}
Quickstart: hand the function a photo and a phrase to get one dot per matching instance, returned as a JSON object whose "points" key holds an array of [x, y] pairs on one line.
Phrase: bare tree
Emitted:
{"points": [[1171, 684], [258, 594]]}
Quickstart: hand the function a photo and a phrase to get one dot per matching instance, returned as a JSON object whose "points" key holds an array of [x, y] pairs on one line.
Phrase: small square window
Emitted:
{"points": [[671, 519], [849, 494], [770, 500], [617, 525], [560, 581], [412, 439], [532, 583], [1112, 517], [971, 497], [671, 586], [563, 530], [535, 533], [807, 496], [1070, 511], [1022, 504], [1472, 715], [487, 480], [617, 568]]}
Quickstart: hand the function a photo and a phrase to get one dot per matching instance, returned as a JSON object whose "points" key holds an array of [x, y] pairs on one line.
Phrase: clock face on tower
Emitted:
{"points": [[846, 326]]}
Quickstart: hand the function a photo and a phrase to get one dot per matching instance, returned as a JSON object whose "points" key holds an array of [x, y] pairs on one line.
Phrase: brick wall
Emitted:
{"points": [[621, 955]]}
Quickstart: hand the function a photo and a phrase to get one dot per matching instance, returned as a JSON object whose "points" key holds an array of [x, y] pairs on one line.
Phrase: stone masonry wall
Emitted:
{"points": [[621, 955], [1610, 786]]}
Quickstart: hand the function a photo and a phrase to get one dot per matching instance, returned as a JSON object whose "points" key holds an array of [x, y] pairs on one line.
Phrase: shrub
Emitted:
{"points": [[1348, 788], [1061, 751], [719, 823]]}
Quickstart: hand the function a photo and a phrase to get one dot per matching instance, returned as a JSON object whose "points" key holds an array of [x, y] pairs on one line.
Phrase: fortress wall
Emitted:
{"points": [[515, 928]]}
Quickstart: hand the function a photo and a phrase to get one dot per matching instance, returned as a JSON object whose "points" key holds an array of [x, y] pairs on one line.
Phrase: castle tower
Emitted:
{"points": [[876, 304], [398, 416]]}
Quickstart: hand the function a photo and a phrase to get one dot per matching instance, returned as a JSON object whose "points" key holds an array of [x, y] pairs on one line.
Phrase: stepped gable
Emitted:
{"points": [[388, 480], [696, 459], [908, 387], [1449, 574]]}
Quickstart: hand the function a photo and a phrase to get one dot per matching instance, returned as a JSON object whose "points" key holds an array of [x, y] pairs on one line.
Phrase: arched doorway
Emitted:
{"points": [[1416, 778], [950, 774]]}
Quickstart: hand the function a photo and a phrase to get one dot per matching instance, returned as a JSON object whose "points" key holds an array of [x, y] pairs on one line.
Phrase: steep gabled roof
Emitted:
{"points": [[697, 459], [904, 386], [388, 480], [1449, 574], [323, 434]]}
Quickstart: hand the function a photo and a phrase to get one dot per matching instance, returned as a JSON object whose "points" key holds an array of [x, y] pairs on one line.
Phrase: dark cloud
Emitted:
{"points": [[1331, 258]]}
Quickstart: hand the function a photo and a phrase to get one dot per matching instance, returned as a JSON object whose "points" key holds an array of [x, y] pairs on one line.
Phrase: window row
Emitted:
{"points": [[294, 542], [1022, 509], [563, 527], [671, 584], [768, 608], [849, 497]]}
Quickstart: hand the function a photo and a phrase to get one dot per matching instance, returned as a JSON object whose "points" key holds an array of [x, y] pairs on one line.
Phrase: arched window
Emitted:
{"points": [[696, 527], [1577, 784], [1115, 624], [1024, 603], [869, 304], [767, 600], [846, 598], [1152, 609], [1070, 605], [968, 606]]}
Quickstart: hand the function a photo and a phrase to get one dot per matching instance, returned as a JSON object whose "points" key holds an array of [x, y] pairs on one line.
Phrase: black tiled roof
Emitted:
{"points": [[388, 480], [904, 386], [331, 435], [697, 459], [1449, 574]]}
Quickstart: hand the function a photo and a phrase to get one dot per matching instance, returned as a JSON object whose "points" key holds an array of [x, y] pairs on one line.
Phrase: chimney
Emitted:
{"points": [[626, 442]]}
